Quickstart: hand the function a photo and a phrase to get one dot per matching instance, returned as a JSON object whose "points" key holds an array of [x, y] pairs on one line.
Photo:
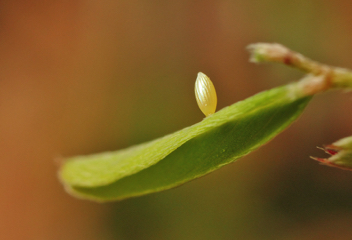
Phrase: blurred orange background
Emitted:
{"points": [[79, 77]]}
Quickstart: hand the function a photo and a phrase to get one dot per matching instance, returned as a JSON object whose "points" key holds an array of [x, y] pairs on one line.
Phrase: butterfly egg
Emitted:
{"points": [[205, 94]]}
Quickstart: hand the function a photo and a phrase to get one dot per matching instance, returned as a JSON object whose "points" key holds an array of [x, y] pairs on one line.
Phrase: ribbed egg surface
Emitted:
{"points": [[205, 94]]}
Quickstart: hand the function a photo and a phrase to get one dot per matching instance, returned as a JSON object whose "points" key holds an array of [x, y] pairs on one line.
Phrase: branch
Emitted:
{"points": [[321, 77]]}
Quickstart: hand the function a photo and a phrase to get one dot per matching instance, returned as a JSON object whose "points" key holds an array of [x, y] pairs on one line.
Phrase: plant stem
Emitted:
{"points": [[321, 77]]}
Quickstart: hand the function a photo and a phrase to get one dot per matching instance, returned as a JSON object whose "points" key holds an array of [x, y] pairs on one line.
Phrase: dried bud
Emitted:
{"points": [[269, 52], [340, 154]]}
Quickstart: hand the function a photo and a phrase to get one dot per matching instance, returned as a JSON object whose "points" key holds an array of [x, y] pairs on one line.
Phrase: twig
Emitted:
{"points": [[321, 77]]}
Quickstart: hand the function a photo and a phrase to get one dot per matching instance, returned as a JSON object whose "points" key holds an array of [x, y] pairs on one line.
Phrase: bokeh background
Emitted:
{"points": [[82, 76]]}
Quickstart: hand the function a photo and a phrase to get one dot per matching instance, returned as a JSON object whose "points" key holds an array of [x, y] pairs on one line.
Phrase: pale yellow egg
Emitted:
{"points": [[205, 94]]}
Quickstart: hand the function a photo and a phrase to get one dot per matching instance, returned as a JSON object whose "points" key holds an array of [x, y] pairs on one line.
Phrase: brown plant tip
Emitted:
{"points": [[327, 162], [330, 149], [337, 157], [288, 60], [324, 161]]}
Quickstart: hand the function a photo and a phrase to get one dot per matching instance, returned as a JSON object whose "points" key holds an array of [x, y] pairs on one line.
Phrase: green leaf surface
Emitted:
{"points": [[187, 154]]}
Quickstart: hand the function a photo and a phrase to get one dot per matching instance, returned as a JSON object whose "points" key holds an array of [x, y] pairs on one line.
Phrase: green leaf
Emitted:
{"points": [[187, 154]]}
